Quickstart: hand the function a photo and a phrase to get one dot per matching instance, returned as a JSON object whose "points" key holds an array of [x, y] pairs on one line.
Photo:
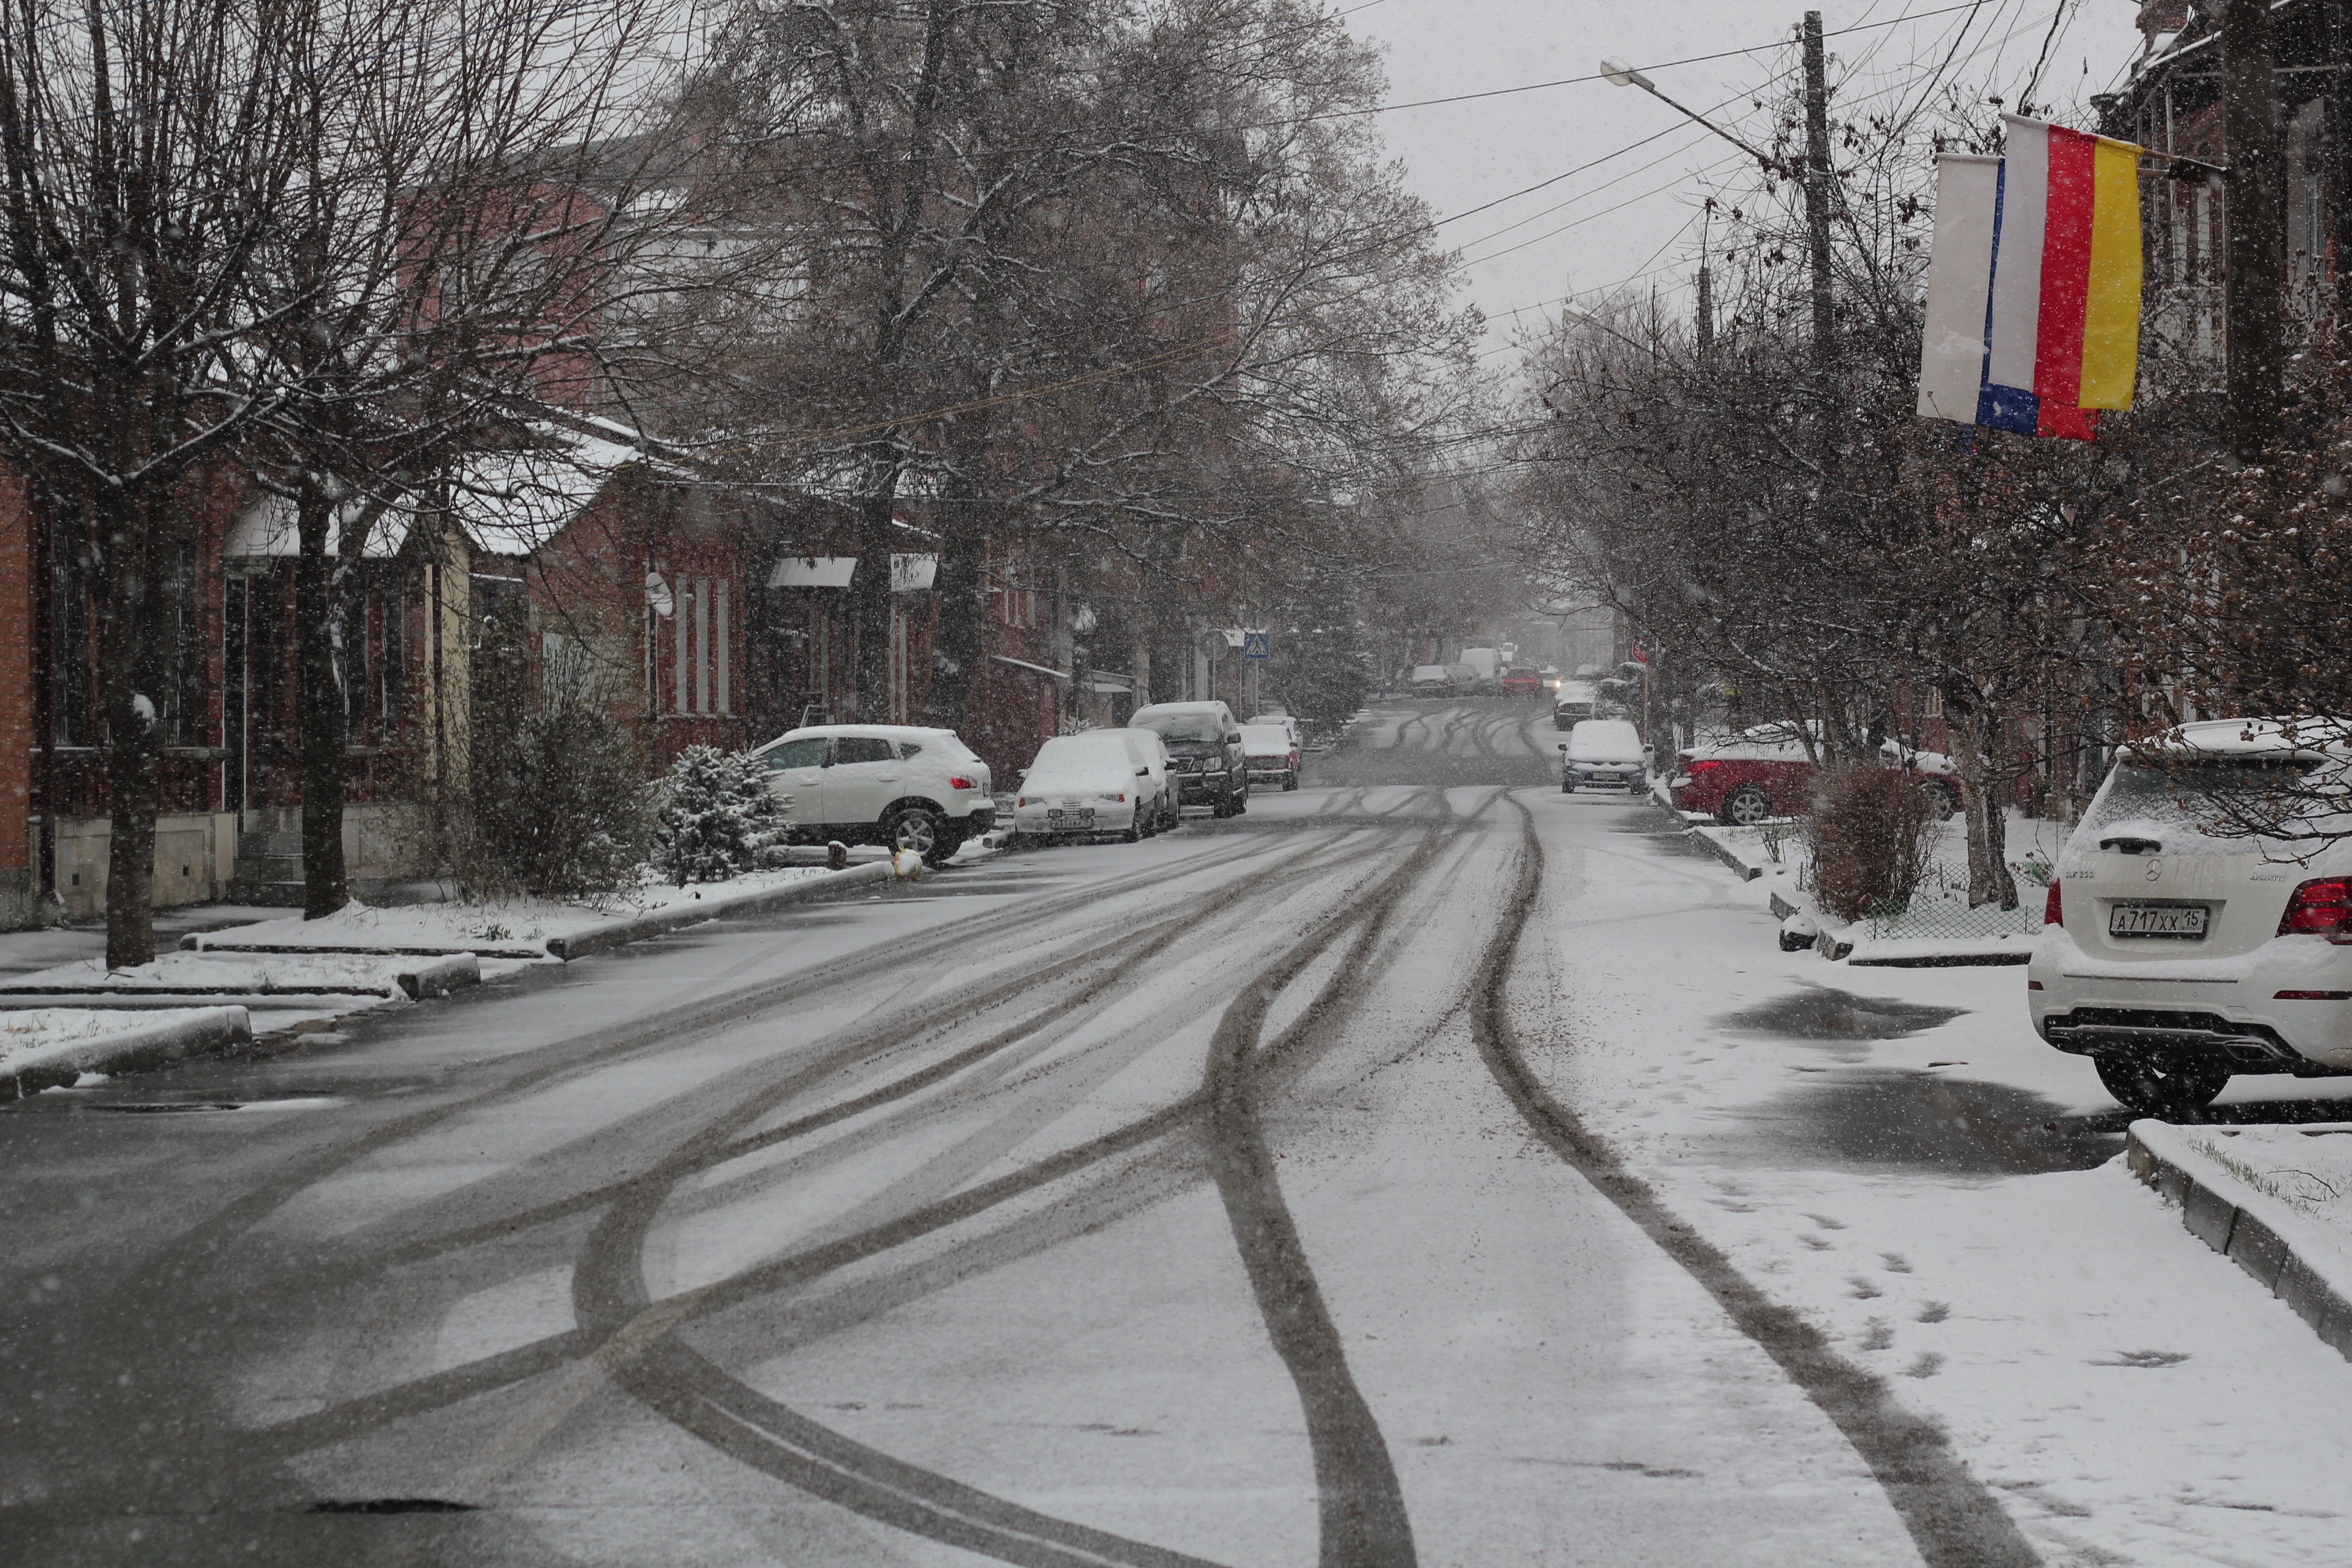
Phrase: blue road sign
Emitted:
{"points": [[1256, 644]]}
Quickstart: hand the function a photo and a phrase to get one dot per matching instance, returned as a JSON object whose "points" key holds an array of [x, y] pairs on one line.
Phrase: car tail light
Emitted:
{"points": [[2321, 907], [960, 782], [2052, 913], [1022, 801]]}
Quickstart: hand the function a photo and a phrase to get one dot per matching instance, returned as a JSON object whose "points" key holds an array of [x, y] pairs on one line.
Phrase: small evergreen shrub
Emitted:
{"points": [[715, 817], [1871, 832], [555, 801]]}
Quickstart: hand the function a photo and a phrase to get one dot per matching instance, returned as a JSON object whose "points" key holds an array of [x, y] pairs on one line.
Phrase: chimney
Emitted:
{"points": [[2161, 17]]}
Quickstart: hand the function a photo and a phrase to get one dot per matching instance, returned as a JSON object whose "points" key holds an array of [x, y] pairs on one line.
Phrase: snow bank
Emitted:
{"points": [[524, 929], [48, 1045]]}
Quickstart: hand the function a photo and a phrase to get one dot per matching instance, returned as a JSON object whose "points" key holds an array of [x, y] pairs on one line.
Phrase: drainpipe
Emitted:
{"points": [[45, 698]]}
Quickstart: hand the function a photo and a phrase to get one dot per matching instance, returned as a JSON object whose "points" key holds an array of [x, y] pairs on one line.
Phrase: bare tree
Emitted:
{"points": [[468, 227], [147, 151]]}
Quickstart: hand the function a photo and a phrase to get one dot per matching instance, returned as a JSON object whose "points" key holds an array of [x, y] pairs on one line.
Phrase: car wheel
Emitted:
{"points": [[1240, 800], [1289, 783], [1746, 807], [2161, 1086], [924, 831]]}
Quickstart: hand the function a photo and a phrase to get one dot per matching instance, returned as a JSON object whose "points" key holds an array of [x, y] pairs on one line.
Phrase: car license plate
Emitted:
{"points": [[1077, 817], [2156, 920]]}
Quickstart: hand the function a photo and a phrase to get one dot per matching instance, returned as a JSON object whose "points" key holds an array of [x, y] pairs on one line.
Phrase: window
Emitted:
{"points": [[801, 753], [702, 673], [860, 749], [907, 748]]}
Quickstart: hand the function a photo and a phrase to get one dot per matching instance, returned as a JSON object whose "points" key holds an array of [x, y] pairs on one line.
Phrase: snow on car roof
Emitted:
{"points": [[1272, 734], [2252, 737]]}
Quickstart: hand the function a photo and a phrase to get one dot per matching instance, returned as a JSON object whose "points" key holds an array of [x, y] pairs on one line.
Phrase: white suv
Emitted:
{"points": [[2174, 956], [881, 783]]}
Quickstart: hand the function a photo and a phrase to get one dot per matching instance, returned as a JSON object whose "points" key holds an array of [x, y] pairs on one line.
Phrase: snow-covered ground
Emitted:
{"points": [[1897, 1154], [925, 1227]]}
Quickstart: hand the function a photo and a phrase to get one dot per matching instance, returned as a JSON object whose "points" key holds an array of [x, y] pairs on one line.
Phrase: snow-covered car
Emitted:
{"points": [[1212, 769], [1574, 702], [1603, 754], [2175, 956], [1431, 679], [1151, 754], [1273, 753], [909, 787], [1085, 784], [1276, 716], [1765, 772]]}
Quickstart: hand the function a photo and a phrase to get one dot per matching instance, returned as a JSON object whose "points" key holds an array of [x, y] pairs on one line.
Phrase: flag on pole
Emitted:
{"points": [[2042, 249]]}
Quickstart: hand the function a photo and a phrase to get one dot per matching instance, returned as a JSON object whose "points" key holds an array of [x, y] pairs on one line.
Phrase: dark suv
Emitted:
{"points": [[1204, 751]]}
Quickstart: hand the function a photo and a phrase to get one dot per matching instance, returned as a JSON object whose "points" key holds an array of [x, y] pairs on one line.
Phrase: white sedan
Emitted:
{"points": [[2177, 952], [1083, 785]]}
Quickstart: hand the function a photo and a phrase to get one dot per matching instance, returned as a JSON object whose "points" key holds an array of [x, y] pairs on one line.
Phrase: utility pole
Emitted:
{"points": [[2256, 255], [1817, 197]]}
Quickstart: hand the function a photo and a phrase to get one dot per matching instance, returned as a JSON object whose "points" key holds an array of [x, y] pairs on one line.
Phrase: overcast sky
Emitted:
{"points": [[1629, 219]]}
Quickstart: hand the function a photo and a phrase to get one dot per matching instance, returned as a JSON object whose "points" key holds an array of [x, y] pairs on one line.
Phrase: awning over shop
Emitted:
{"points": [[908, 574], [266, 531]]}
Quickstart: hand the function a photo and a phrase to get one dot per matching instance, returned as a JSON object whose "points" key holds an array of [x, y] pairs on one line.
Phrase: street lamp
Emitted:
{"points": [[1619, 74]]}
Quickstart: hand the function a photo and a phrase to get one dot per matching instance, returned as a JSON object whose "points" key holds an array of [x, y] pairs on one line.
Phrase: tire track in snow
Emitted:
{"points": [[1954, 1519], [1363, 1520]]}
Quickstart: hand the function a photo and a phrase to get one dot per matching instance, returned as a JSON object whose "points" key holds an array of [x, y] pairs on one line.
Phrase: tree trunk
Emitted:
{"points": [[126, 700], [869, 596], [319, 694], [1989, 881], [2255, 285], [956, 653]]}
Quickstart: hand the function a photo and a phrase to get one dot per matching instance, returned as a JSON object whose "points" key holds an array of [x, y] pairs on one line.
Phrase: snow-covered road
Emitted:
{"points": [[1407, 1171]]}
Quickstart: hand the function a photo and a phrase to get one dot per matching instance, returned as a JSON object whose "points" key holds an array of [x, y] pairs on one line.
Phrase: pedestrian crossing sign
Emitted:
{"points": [[1256, 644]]}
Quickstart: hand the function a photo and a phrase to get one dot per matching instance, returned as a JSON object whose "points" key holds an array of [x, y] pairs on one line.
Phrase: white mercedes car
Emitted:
{"points": [[2201, 922]]}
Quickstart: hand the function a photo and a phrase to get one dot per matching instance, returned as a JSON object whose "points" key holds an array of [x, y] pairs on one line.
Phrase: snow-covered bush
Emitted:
{"points": [[1871, 832], [716, 817], [553, 799]]}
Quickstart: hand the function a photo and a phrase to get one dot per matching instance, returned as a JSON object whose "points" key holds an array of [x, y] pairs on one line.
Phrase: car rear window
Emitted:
{"points": [[2230, 802]]}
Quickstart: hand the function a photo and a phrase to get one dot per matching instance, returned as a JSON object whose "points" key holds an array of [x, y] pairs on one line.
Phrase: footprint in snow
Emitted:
{"points": [[1928, 1364], [1878, 1336], [1895, 1263], [1825, 1222], [1864, 1289], [1815, 1242], [1935, 1311], [2145, 1359]]}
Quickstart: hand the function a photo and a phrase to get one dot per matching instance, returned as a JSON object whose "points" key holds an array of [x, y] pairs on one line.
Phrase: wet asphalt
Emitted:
{"points": [[144, 1251]]}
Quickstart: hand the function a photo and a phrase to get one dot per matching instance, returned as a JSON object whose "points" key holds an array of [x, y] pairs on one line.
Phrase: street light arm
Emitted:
{"points": [[1764, 158]]}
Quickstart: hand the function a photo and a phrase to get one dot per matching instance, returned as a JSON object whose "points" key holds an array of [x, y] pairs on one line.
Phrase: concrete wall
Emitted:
{"points": [[195, 856]]}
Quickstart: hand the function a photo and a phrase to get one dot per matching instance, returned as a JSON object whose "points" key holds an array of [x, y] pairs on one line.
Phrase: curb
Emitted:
{"points": [[1726, 854], [214, 1030], [2258, 1243], [621, 932], [435, 977]]}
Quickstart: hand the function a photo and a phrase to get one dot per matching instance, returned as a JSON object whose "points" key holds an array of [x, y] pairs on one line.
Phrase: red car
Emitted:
{"points": [[1523, 680], [1764, 772]]}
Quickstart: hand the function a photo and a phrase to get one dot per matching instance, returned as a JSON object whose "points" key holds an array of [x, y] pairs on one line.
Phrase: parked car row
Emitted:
{"points": [[923, 789]]}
